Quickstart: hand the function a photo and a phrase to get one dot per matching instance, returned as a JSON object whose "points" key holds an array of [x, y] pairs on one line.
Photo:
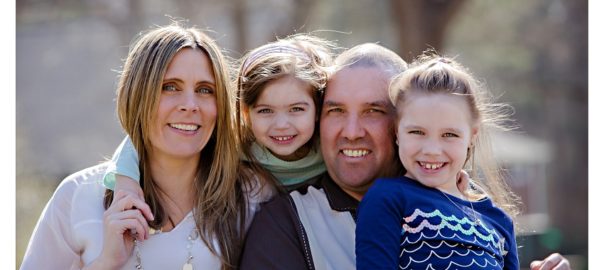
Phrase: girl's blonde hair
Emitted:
{"points": [[220, 205], [302, 56], [433, 74]]}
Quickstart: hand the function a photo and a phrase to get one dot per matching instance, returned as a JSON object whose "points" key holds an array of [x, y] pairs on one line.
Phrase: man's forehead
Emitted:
{"points": [[367, 84]]}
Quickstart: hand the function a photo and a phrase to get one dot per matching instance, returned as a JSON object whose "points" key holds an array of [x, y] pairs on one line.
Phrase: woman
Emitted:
{"points": [[175, 103]]}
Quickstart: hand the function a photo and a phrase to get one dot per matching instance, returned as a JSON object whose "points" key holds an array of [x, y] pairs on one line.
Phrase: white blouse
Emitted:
{"points": [[69, 233]]}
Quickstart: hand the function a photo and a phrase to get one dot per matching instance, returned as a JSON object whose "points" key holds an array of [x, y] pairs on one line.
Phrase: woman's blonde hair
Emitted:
{"points": [[433, 74], [220, 206], [302, 56]]}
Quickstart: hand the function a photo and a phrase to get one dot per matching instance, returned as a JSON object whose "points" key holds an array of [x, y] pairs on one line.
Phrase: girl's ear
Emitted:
{"points": [[474, 135]]}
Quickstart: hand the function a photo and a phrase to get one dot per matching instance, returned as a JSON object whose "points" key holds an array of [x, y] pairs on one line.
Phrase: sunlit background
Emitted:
{"points": [[533, 54]]}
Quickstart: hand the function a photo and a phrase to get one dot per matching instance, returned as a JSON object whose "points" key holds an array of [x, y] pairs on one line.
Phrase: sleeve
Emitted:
{"points": [[378, 231], [52, 245], [274, 240], [124, 162], [510, 260]]}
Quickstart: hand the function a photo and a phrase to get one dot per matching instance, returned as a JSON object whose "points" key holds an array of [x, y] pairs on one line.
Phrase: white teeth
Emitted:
{"points": [[185, 127], [283, 138], [355, 153], [431, 166]]}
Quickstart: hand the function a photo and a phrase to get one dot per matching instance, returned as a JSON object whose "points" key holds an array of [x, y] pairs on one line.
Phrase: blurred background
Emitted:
{"points": [[532, 54]]}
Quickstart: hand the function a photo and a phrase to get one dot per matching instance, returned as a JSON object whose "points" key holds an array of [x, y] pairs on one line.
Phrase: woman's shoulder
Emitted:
{"points": [[84, 184], [87, 176]]}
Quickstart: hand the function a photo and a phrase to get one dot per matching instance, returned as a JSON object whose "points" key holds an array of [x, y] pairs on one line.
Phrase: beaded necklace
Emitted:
{"points": [[190, 239]]}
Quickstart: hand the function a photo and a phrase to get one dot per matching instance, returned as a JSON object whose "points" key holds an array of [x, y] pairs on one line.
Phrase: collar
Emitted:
{"points": [[337, 198]]}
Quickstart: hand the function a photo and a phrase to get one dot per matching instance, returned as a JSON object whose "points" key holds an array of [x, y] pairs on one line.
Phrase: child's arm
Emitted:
{"points": [[378, 231], [123, 172], [510, 260]]}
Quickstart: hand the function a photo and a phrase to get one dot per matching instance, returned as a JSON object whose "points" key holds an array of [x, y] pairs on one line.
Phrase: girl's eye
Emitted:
{"points": [[297, 109], [264, 111], [450, 135], [205, 90], [416, 132], [169, 87]]}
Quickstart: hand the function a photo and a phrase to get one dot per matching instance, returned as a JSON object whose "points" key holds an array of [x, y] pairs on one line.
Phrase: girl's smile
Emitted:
{"points": [[434, 134], [283, 119]]}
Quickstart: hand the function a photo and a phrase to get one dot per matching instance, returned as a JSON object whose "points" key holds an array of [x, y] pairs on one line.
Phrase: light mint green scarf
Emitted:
{"points": [[290, 172]]}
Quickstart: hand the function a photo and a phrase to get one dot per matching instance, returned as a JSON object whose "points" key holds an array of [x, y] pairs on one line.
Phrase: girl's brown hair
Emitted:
{"points": [[304, 57]]}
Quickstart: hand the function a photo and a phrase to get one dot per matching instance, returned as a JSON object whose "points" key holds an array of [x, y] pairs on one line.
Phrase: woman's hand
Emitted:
{"points": [[124, 221]]}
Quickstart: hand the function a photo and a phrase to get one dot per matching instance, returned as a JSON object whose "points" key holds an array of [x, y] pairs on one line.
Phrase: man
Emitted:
{"points": [[313, 227]]}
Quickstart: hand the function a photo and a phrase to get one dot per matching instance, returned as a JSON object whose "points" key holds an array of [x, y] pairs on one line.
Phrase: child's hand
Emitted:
{"points": [[129, 186]]}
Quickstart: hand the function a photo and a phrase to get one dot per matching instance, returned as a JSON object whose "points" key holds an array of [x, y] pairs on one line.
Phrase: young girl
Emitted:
{"points": [[279, 86], [422, 220]]}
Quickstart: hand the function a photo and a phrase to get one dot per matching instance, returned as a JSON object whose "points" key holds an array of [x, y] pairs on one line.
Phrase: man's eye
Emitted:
{"points": [[335, 110], [169, 87], [450, 135]]}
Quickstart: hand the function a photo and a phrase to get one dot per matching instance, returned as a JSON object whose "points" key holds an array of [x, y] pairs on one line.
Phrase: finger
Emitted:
{"points": [[563, 265], [129, 201], [535, 265], [126, 227], [130, 214], [551, 261]]}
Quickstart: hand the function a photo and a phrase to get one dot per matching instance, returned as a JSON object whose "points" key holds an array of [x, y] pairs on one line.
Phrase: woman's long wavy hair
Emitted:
{"points": [[220, 205]]}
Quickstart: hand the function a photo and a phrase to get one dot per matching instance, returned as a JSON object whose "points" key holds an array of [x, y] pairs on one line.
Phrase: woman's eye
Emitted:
{"points": [[169, 87], [206, 90], [416, 132], [264, 111], [297, 109], [450, 135]]}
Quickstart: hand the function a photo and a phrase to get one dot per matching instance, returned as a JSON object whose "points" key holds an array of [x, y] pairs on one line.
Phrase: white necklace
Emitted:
{"points": [[476, 220], [190, 239]]}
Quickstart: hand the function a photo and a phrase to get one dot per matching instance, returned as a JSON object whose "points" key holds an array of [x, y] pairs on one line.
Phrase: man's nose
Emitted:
{"points": [[353, 128]]}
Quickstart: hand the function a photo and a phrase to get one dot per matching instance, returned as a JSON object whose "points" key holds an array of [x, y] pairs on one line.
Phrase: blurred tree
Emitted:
{"points": [[422, 24]]}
